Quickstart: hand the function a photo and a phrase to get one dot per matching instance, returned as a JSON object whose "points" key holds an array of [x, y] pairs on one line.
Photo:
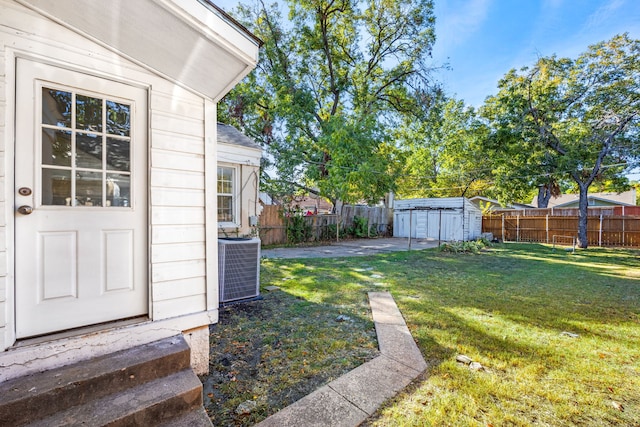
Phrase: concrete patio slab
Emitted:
{"points": [[350, 399], [347, 248]]}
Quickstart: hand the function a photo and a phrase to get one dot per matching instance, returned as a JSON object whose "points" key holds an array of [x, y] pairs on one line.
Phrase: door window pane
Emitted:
{"points": [[56, 147], [118, 189], [56, 107], [88, 151], [89, 189], [88, 113], [56, 187], [118, 117], [118, 154]]}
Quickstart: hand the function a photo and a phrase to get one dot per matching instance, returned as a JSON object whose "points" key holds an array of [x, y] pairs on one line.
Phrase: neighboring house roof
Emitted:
{"points": [[266, 199], [313, 202], [483, 202], [230, 135], [625, 198], [521, 206]]}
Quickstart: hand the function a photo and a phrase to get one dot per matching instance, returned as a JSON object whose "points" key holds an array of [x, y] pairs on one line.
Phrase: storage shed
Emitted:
{"points": [[446, 219]]}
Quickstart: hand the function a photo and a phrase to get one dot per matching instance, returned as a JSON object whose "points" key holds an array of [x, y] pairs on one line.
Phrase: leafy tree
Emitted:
{"points": [[519, 160], [329, 86], [572, 119], [443, 151]]}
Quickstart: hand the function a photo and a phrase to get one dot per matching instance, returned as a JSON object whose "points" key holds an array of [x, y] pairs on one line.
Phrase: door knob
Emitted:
{"points": [[25, 210]]}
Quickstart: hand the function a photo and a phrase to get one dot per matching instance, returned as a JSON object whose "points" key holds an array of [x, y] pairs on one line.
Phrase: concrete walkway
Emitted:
{"points": [[345, 248], [350, 399]]}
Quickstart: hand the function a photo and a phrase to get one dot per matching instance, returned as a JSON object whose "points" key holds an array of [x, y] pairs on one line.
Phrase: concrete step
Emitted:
{"points": [[196, 418], [29, 398], [148, 404]]}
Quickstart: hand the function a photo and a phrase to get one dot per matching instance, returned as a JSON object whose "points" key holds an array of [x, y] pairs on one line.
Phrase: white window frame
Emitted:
{"points": [[235, 197]]}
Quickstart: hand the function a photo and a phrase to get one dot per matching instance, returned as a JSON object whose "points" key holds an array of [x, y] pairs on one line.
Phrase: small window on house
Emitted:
{"points": [[226, 202]]}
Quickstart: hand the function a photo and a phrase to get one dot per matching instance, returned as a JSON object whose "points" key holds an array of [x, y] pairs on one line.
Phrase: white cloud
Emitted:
{"points": [[611, 18], [457, 21], [603, 14]]}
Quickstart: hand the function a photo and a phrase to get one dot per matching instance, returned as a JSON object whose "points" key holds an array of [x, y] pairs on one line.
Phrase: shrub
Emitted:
{"points": [[298, 229], [360, 226], [329, 232], [474, 246]]}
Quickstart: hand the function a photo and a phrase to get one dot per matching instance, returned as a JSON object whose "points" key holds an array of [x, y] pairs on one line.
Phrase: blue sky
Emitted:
{"points": [[483, 39]]}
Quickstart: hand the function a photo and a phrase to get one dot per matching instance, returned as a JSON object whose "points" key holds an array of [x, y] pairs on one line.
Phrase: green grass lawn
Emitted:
{"points": [[558, 333]]}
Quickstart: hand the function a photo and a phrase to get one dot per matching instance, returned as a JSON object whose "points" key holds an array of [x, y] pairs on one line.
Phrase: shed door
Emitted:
{"points": [[80, 199], [421, 224], [451, 226], [434, 225]]}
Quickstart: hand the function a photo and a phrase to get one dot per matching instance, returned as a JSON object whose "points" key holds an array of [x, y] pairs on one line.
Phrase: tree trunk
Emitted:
{"points": [[583, 205], [544, 195]]}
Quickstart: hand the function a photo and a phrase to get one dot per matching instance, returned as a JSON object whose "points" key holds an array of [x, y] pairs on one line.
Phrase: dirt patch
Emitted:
{"points": [[277, 350]]}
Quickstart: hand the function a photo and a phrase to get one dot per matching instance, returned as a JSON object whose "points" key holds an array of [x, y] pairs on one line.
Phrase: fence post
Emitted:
{"points": [[410, 222], [440, 228], [286, 227], [518, 228], [600, 232], [547, 227], [504, 238], [623, 226]]}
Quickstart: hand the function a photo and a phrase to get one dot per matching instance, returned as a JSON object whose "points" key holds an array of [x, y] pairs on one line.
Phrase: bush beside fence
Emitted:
{"points": [[616, 231]]}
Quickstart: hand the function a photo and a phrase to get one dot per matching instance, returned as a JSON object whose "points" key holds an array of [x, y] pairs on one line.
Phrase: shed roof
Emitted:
{"points": [[230, 135], [435, 203]]}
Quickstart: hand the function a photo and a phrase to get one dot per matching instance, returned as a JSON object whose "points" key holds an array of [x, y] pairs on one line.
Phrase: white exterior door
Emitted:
{"points": [[80, 200]]}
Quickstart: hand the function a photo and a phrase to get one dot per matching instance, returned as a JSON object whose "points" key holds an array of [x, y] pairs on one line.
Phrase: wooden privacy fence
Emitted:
{"points": [[621, 231], [596, 211], [273, 223]]}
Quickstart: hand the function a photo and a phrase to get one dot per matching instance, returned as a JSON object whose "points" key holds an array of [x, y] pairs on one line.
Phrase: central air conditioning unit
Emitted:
{"points": [[238, 268]]}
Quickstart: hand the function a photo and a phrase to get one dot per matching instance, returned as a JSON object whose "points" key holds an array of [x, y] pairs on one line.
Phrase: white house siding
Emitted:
{"points": [[180, 191], [177, 184], [446, 219]]}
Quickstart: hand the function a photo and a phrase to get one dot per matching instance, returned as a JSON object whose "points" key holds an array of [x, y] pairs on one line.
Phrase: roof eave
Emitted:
{"points": [[189, 42]]}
